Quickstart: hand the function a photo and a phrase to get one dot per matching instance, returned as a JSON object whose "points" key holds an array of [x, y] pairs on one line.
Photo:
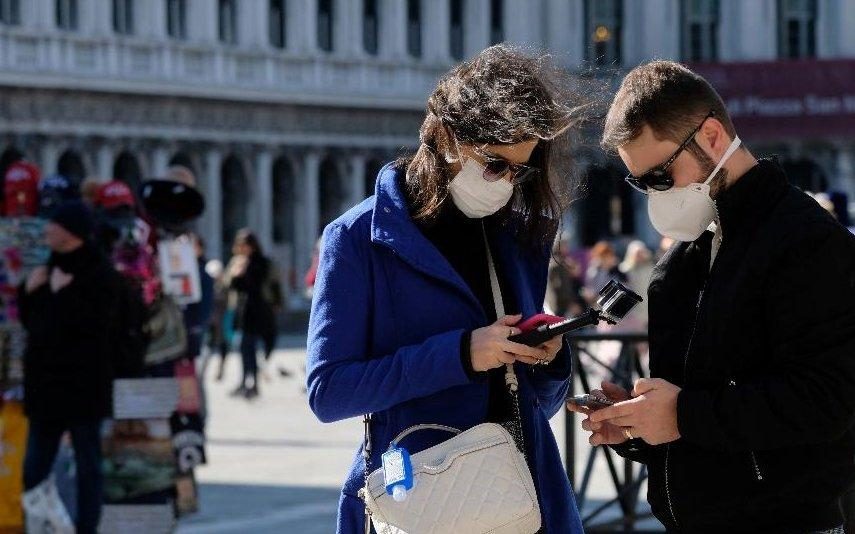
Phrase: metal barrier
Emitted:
{"points": [[626, 368]]}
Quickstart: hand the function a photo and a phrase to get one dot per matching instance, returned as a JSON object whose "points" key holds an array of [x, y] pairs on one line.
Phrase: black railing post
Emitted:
{"points": [[570, 418], [623, 372]]}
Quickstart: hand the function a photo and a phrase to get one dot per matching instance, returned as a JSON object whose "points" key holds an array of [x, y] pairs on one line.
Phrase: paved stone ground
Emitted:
{"points": [[274, 468]]}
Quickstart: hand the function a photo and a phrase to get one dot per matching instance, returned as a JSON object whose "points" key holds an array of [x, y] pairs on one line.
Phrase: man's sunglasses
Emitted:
{"points": [[658, 178], [497, 168]]}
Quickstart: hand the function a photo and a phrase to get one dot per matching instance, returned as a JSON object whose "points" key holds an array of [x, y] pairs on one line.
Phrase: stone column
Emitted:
{"points": [[263, 202], [48, 157], [356, 166], [302, 24], [150, 19], [38, 14], [393, 29], [213, 218], [347, 28], [476, 26], [252, 23], [523, 22], [202, 21], [309, 211], [565, 24], [159, 161], [758, 30], [104, 160], [437, 31]]}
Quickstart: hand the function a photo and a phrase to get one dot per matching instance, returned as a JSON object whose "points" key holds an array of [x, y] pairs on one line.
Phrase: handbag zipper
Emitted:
{"points": [[685, 369]]}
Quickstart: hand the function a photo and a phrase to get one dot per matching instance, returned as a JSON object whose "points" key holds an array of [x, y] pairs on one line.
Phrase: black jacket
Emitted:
{"points": [[72, 340], [255, 315], [763, 347]]}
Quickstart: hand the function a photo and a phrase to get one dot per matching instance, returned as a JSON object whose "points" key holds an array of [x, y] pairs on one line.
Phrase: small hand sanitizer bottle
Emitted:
{"points": [[397, 472]]}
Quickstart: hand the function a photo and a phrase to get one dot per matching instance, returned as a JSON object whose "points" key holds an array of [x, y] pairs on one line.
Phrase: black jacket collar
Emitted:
{"points": [[749, 200]]}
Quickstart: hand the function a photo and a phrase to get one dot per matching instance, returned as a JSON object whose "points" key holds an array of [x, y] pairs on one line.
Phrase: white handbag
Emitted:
{"points": [[477, 482]]}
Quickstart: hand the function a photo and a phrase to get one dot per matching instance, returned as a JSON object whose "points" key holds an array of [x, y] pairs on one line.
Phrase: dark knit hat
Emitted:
{"points": [[75, 217]]}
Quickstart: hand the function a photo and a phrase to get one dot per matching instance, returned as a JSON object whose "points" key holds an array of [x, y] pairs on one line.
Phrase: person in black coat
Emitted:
{"points": [[68, 309], [747, 422], [256, 315]]}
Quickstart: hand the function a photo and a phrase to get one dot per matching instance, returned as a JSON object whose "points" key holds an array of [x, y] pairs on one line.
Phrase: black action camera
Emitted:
{"points": [[614, 303]]}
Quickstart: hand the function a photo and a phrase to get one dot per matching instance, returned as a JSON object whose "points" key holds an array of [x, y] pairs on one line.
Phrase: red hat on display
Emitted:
{"points": [[21, 189], [114, 194]]}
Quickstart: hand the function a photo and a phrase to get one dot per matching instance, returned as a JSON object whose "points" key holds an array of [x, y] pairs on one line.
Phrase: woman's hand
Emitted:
{"points": [[490, 347], [552, 347]]}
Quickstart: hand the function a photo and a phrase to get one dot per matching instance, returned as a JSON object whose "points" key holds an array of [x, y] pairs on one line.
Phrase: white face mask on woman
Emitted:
{"points": [[475, 196], [683, 213]]}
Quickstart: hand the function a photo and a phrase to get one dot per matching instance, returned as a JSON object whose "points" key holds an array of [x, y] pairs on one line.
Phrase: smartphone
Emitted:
{"points": [[590, 400], [545, 327], [536, 321]]}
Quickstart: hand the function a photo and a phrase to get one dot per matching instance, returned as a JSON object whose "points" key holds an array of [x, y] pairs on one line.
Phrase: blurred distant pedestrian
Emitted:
{"points": [[637, 266], [602, 267], [563, 285], [69, 311], [256, 315]]}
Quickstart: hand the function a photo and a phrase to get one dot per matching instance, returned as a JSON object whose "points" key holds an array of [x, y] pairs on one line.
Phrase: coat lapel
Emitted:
{"points": [[392, 227]]}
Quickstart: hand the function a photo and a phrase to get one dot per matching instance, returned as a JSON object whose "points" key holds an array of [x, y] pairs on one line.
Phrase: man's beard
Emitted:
{"points": [[719, 181]]}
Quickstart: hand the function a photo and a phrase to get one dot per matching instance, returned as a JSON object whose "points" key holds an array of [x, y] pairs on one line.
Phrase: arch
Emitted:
{"points": [[9, 156], [70, 164], [235, 200], [127, 169], [372, 169], [607, 208], [333, 193]]}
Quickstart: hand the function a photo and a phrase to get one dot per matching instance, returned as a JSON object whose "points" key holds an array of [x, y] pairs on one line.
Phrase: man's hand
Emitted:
{"points": [[650, 415], [603, 433], [59, 279]]}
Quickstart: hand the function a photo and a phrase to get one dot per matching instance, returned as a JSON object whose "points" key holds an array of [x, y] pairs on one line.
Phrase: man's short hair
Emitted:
{"points": [[666, 96]]}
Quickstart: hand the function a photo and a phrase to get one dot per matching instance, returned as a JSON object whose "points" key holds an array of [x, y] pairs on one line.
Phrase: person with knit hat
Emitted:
{"points": [[68, 310]]}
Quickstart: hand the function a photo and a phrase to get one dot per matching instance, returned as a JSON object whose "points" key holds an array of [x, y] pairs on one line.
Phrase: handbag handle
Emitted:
{"points": [[416, 428]]}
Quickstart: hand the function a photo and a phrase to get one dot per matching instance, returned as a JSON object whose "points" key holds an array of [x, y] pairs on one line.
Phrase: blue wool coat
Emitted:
{"points": [[384, 338]]}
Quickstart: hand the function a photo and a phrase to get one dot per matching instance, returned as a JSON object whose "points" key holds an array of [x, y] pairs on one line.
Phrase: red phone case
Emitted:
{"points": [[538, 320]]}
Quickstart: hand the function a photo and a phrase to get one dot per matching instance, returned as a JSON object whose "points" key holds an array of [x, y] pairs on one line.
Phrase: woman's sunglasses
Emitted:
{"points": [[496, 168], [658, 178]]}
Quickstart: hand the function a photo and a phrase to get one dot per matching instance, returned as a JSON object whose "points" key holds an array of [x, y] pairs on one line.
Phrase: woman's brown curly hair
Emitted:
{"points": [[502, 96]]}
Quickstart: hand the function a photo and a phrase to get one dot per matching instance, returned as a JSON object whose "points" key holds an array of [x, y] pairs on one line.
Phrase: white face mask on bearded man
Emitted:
{"points": [[683, 213]]}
